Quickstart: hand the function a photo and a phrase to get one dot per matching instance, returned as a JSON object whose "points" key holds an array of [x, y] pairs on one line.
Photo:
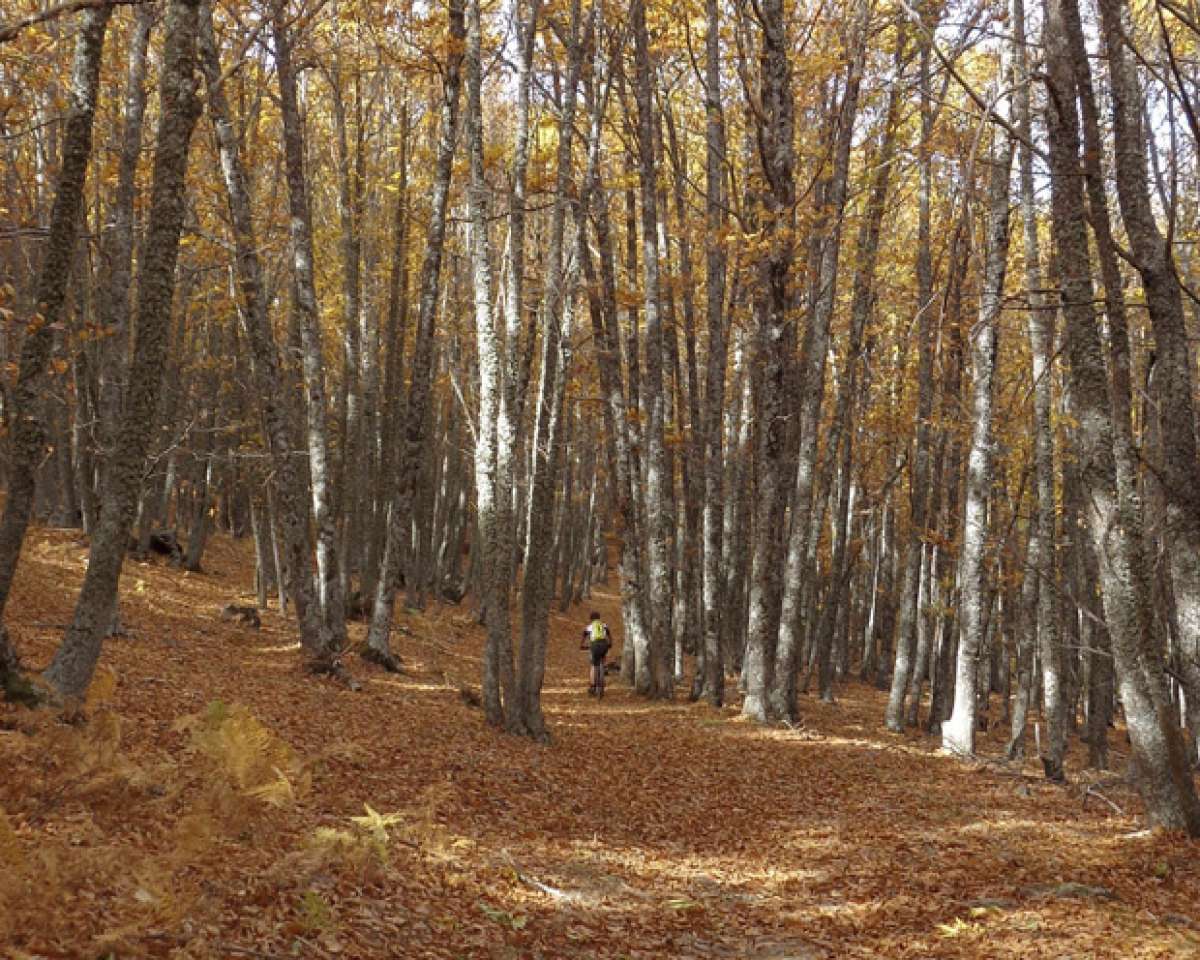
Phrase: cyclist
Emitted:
{"points": [[596, 641]]}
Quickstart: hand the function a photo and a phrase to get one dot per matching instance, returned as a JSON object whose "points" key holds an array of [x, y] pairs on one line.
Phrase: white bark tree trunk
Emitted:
{"points": [[958, 733]]}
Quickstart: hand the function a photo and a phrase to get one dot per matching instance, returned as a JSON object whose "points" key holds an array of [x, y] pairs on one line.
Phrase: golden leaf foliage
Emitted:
{"points": [[244, 753]]}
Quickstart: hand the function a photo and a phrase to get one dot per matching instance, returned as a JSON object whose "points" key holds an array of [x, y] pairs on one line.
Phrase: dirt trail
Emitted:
{"points": [[644, 830]]}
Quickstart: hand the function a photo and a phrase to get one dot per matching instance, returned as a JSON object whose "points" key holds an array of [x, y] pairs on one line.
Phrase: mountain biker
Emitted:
{"points": [[596, 640]]}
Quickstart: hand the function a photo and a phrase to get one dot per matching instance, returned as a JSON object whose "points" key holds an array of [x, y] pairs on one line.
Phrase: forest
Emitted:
{"points": [[576, 478]]}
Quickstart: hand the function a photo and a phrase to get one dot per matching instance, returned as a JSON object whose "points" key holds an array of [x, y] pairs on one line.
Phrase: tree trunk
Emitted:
{"points": [[602, 303], [773, 308], [653, 675], [22, 405], [1164, 777], [289, 513], [304, 299], [557, 311], [906, 628], [1152, 256], [75, 660], [958, 733], [493, 491], [799, 573], [412, 443], [116, 279], [714, 393], [1041, 347]]}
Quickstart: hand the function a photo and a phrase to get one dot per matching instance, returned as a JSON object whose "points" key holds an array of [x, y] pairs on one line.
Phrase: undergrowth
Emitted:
{"points": [[231, 780]]}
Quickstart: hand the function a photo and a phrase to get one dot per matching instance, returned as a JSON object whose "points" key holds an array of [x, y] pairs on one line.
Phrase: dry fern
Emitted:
{"points": [[12, 854], [245, 754]]}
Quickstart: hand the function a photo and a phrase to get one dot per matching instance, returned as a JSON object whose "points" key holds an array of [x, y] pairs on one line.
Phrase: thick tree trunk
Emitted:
{"points": [[1152, 256], [493, 491], [1164, 777], [773, 309], [71, 670]]}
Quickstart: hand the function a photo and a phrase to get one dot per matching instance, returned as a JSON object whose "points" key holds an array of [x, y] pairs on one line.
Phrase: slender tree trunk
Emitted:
{"points": [[714, 394], [288, 510], [492, 491], [653, 673], [116, 280], [23, 403], [958, 733], [412, 444], [75, 660], [557, 310], [799, 573], [1043, 561], [305, 304], [602, 303], [1026, 629], [909, 614]]}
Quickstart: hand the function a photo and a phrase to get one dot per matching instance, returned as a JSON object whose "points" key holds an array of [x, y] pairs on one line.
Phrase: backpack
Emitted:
{"points": [[598, 631]]}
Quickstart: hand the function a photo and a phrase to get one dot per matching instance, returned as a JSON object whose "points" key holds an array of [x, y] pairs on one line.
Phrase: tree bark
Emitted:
{"points": [[653, 676], [799, 573], [22, 405], [714, 392], [493, 490], [412, 442], [329, 585], [116, 281], [1154, 261], [289, 513], [1164, 778], [548, 449], [75, 660], [1041, 347], [773, 309], [906, 669], [958, 733]]}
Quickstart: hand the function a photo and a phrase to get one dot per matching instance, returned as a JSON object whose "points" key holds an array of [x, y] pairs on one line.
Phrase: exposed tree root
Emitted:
{"points": [[331, 664], [382, 658]]}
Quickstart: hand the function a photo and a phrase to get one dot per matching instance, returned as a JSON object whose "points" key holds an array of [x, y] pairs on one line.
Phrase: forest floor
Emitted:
{"points": [[219, 803]]}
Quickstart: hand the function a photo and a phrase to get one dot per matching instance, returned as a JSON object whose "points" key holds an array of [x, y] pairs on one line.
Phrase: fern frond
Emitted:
{"points": [[275, 793], [103, 686], [12, 854]]}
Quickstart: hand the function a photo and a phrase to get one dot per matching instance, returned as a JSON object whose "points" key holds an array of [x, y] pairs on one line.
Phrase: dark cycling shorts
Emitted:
{"points": [[599, 652]]}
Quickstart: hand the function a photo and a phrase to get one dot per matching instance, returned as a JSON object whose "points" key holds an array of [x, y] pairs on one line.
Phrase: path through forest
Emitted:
{"points": [[644, 830]]}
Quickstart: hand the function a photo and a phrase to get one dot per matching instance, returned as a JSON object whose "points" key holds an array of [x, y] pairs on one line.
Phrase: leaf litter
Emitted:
{"points": [[220, 803]]}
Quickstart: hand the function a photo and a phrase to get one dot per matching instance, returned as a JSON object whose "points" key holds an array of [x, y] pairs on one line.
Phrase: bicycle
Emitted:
{"points": [[597, 687]]}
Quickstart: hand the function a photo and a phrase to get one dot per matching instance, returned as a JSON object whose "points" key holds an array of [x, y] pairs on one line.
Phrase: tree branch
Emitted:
{"points": [[10, 32]]}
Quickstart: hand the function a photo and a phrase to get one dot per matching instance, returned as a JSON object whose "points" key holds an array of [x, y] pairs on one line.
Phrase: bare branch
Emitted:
{"points": [[11, 31]]}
